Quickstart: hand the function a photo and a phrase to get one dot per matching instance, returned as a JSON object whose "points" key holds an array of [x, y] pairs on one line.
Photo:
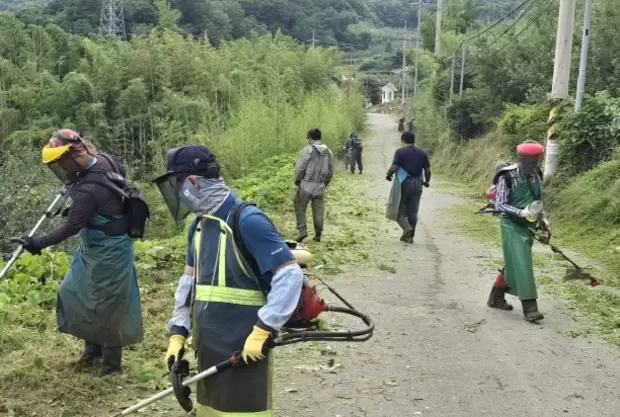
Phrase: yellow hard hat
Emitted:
{"points": [[50, 154]]}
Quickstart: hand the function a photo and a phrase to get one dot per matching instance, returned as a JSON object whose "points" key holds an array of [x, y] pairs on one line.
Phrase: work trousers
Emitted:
{"points": [[410, 195], [112, 355], [301, 201], [356, 157]]}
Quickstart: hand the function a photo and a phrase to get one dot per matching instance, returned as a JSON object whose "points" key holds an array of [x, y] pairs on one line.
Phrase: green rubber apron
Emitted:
{"points": [[517, 241]]}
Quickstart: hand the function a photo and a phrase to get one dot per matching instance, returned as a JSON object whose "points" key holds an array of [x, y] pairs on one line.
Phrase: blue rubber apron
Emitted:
{"points": [[393, 204]]}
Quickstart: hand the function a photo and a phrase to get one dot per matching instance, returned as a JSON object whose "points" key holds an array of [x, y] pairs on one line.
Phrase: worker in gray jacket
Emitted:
{"points": [[313, 172]]}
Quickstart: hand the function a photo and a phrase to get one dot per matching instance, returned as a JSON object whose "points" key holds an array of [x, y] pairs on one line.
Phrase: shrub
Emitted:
{"points": [[523, 122], [589, 136], [464, 118]]}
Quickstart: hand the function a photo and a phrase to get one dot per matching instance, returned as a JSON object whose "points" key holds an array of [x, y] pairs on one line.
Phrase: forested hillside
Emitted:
{"points": [[251, 99], [231, 19], [219, 19]]}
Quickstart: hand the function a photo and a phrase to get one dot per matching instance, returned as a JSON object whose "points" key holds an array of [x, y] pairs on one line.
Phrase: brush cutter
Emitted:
{"points": [[308, 309], [576, 273], [49, 213]]}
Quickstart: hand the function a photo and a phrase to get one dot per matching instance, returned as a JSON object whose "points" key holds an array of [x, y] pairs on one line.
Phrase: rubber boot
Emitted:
{"points": [[405, 236], [111, 361], [301, 237], [530, 310], [410, 236], [317, 237], [91, 353], [497, 297]]}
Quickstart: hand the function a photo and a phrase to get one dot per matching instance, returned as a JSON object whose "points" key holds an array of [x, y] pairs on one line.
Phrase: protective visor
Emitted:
{"points": [[169, 189], [62, 164]]}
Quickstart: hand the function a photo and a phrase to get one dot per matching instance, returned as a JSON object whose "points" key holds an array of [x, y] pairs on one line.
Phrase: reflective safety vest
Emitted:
{"points": [[227, 295]]}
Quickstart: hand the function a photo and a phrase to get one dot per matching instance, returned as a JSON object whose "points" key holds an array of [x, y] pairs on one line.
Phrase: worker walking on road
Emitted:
{"points": [[354, 149], [241, 284], [313, 172], [409, 164], [98, 300], [519, 199]]}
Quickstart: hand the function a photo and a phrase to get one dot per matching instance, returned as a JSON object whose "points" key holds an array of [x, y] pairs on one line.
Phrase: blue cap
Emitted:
{"points": [[191, 159]]}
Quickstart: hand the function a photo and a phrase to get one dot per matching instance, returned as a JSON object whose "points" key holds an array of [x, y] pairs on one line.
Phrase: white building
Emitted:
{"points": [[388, 93]]}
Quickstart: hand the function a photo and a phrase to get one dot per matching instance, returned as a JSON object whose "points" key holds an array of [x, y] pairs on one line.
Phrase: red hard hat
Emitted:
{"points": [[530, 148]]}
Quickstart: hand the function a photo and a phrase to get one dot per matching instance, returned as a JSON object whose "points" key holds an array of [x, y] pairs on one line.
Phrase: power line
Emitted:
{"points": [[513, 24], [506, 16], [536, 19], [463, 45]]}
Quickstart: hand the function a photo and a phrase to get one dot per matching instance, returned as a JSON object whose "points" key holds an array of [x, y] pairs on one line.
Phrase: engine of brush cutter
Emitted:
{"points": [[490, 194], [310, 305]]}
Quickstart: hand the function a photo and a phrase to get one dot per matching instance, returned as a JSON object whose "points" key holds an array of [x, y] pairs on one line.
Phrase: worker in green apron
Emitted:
{"points": [[519, 199]]}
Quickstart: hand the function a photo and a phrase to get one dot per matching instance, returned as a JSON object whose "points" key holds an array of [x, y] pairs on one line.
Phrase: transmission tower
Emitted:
{"points": [[112, 21]]}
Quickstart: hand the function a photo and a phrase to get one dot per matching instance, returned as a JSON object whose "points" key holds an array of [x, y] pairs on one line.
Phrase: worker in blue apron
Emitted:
{"points": [[98, 300], [413, 171], [230, 299]]}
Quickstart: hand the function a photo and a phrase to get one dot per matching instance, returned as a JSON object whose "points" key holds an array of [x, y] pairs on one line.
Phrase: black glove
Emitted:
{"points": [[388, 177], [426, 184], [28, 243]]}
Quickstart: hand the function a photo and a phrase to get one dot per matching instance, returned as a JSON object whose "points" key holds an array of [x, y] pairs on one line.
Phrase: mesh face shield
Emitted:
{"points": [[529, 164], [66, 169], [168, 188]]}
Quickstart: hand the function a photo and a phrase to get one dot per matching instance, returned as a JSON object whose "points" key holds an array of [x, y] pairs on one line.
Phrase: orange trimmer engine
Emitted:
{"points": [[309, 307]]}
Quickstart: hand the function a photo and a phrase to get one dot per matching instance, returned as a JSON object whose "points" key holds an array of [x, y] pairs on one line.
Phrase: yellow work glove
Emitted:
{"points": [[254, 344], [174, 346]]}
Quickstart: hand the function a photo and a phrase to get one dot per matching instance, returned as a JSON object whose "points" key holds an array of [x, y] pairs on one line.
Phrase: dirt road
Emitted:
{"points": [[438, 350]]}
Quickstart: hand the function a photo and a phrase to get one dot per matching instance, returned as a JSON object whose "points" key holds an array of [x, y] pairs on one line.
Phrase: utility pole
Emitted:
{"points": [[404, 60], [313, 40], [112, 19], [417, 51], [438, 29], [561, 76], [452, 76], [583, 60], [463, 68]]}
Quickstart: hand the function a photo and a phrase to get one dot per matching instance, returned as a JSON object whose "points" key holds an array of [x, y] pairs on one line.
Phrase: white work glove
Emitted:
{"points": [[529, 213], [526, 213]]}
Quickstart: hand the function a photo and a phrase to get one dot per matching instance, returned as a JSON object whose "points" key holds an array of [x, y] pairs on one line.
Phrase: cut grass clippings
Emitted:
{"points": [[598, 309]]}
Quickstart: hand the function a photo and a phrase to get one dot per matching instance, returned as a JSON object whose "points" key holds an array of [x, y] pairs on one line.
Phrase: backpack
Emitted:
{"points": [[136, 210], [501, 170], [358, 142], [504, 168]]}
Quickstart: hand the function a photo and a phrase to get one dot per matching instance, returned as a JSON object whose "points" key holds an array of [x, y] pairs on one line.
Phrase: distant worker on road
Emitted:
{"points": [[314, 170], [401, 125], [354, 149], [409, 164]]}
